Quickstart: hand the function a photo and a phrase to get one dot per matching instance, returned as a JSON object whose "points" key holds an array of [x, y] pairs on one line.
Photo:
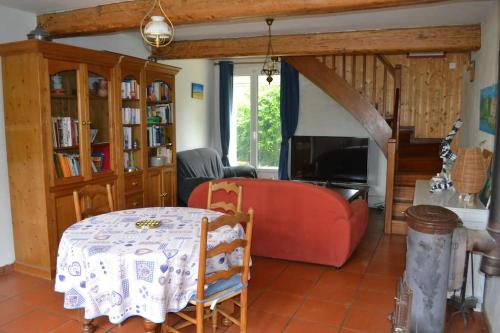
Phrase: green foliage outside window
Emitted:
{"points": [[268, 128]]}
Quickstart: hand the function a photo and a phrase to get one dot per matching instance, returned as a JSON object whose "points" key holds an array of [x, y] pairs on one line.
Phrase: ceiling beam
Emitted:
{"points": [[449, 39], [128, 15]]}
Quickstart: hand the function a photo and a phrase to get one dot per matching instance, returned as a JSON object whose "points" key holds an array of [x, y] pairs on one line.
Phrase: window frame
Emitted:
{"points": [[253, 71]]}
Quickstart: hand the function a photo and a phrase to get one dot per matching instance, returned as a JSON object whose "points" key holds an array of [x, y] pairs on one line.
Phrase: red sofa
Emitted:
{"points": [[297, 221]]}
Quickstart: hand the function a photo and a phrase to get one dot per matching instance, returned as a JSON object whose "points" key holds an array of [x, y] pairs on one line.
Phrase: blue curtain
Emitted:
{"points": [[289, 112], [226, 105]]}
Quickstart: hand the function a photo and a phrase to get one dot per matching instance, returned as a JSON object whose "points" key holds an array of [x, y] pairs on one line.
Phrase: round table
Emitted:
{"points": [[109, 267]]}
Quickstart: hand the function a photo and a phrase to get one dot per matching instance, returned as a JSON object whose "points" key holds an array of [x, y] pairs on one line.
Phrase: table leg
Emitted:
{"points": [[150, 327], [87, 326]]}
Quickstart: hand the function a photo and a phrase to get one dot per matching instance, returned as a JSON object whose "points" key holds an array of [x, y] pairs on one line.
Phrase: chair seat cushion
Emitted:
{"points": [[232, 283], [221, 289]]}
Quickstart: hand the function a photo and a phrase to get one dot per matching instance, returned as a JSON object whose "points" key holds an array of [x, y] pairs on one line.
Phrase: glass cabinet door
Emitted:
{"points": [[65, 121], [160, 123], [131, 123], [99, 122]]}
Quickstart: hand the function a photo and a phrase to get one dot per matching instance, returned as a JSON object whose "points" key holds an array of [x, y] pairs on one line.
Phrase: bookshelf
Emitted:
{"points": [[65, 128]]}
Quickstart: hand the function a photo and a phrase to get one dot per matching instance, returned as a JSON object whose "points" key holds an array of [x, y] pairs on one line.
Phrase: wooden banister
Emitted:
{"points": [[389, 183]]}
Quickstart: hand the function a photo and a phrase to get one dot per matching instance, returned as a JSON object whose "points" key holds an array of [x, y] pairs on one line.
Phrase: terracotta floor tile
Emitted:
{"points": [[71, 326], [395, 270], [262, 322], [15, 283], [131, 325], [375, 300], [301, 326], [40, 295], [12, 309], [269, 266], [37, 321], [305, 271], [278, 303], [367, 320], [339, 278], [336, 294], [253, 293], [57, 307], [322, 312], [293, 285], [381, 283]]}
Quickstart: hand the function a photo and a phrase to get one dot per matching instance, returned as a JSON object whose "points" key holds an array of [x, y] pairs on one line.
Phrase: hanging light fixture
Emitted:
{"points": [[270, 66], [159, 30]]}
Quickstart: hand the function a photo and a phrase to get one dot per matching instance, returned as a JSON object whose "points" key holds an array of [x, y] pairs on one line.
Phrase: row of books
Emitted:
{"points": [[166, 152], [164, 111], [130, 89], [156, 135], [127, 138], [64, 132], [129, 161], [131, 116], [158, 91], [67, 165]]}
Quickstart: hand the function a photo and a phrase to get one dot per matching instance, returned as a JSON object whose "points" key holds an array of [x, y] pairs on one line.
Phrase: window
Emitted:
{"points": [[255, 124]]}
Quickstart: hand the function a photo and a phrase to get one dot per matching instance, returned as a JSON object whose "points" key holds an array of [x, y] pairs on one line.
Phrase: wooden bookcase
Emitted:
{"points": [[65, 129]]}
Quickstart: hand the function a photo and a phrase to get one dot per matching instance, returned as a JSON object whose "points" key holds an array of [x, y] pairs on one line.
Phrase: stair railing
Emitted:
{"points": [[392, 151]]}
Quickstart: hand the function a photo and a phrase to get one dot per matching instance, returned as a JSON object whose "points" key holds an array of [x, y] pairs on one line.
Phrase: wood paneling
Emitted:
{"points": [[128, 15], [389, 41], [431, 93]]}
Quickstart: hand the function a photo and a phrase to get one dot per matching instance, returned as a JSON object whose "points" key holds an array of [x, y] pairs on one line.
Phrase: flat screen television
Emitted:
{"points": [[329, 159]]}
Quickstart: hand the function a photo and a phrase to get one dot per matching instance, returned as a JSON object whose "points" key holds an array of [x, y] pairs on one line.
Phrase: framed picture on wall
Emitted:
{"points": [[197, 90]]}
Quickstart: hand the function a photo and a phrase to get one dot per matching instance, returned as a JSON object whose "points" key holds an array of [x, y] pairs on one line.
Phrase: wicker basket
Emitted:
{"points": [[469, 171]]}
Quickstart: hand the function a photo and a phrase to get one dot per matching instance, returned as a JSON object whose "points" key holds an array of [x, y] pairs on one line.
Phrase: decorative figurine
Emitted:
{"points": [[443, 181]]}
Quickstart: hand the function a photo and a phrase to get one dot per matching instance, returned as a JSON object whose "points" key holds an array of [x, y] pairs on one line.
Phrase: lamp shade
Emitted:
{"points": [[469, 171]]}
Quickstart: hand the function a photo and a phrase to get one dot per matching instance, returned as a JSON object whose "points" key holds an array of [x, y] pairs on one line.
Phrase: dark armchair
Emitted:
{"points": [[196, 166]]}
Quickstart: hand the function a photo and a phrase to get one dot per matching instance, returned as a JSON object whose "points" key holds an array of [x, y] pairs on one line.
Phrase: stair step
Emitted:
{"points": [[410, 163], [404, 193], [408, 178], [426, 149], [398, 209]]}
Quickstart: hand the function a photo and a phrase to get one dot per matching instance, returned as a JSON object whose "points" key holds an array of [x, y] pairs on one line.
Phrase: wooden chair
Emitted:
{"points": [[226, 207], [223, 285], [85, 201]]}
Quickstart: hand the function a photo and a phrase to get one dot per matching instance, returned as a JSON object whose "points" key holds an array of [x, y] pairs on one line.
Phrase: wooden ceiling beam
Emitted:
{"points": [[449, 39], [128, 15]]}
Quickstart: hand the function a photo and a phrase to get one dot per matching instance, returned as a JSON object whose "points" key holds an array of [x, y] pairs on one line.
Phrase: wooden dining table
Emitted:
{"points": [[109, 267]]}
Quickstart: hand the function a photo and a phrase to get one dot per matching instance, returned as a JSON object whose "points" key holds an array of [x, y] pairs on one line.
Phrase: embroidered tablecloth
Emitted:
{"points": [[109, 267]]}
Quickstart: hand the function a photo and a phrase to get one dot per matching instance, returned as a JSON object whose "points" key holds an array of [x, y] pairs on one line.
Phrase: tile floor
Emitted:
{"points": [[285, 296]]}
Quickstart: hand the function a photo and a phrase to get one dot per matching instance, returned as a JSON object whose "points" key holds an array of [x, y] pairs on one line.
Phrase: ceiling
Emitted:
{"points": [[458, 12]]}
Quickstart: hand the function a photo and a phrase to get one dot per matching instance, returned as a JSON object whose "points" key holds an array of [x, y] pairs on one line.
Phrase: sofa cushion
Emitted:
{"points": [[200, 162]]}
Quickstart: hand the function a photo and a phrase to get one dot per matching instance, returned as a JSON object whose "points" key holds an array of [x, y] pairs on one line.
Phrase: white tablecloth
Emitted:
{"points": [[109, 267]]}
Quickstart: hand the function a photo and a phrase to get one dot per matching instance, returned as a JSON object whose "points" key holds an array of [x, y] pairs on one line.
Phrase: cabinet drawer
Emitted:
{"points": [[133, 184], [134, 200]]}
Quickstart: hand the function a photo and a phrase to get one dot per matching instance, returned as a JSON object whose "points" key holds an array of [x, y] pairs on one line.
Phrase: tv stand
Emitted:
{"points": [[350, 191]]}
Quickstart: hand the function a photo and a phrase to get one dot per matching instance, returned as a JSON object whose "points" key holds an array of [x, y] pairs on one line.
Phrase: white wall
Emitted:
{"points": [[486, 74], [319, 114], [23, 22], [193, 124], [125, 43]]}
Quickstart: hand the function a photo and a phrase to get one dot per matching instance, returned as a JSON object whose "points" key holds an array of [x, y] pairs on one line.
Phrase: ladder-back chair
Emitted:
{"points": [[223, 285], [226, 207], [86, 198]]}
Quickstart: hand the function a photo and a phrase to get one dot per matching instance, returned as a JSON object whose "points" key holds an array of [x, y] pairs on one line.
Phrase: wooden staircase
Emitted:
{"points": [[369, 87], [416, 159], [362, 84]]}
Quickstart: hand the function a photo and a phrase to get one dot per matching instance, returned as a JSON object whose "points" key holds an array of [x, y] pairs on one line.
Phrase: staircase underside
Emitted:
{"points": [[340, 90]]}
